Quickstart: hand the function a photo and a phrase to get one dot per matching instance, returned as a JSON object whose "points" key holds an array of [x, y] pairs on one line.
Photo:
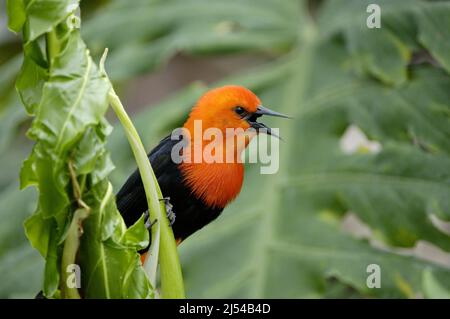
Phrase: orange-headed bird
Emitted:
{"points": [[199, 191]]}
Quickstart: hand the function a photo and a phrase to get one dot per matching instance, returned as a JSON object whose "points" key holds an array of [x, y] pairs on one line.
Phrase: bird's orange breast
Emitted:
{"points": [[216, 184]]}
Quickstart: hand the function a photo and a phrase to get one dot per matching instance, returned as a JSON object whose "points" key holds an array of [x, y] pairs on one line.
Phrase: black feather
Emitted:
{"points": [[191, 213]]}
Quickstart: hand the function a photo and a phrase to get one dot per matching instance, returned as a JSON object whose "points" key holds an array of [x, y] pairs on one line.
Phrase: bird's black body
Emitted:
{"points": [[191, 213]]}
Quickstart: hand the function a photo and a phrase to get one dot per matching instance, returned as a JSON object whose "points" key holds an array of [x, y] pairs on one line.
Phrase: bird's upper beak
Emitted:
{"points": [[261, 110], [258, 126]]}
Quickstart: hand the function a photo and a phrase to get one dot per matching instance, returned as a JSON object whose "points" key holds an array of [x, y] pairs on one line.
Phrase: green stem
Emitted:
{"points": [[52, 46], [163, 242], [69, 283]]}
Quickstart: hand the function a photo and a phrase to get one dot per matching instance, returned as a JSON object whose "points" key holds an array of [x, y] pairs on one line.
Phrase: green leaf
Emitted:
{"points": [[32, 77], [74, 85], [16, 14], [111, 264], [434, 32], [76, 219], [291, 243], [39, 230], [435, 287], [137, 235], [162, 28], [43, 15], [380, 53], [52, 262]]}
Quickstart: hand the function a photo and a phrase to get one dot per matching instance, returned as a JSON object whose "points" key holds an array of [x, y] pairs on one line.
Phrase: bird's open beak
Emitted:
{"points": [[258, 126]]}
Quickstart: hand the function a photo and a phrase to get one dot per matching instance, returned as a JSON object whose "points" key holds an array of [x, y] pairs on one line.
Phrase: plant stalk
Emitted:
{"points": [[52, 46], [69, 282], [163, 242]]}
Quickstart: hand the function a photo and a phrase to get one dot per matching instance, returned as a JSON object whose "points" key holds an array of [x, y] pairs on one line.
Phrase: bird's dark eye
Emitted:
{"points": [[240, 111]]}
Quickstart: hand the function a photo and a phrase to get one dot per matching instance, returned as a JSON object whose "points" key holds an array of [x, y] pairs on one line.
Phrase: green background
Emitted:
{"points": [[310, 230]]}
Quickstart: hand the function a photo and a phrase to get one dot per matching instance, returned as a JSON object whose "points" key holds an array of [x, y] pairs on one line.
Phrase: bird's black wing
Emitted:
{"points": [[191, 213]]}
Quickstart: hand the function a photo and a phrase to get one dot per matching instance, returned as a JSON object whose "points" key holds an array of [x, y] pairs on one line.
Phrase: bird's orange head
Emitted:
{"points": [[224, 107], [228, 107]]}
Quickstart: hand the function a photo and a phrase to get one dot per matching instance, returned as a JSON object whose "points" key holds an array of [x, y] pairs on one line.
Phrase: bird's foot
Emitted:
{"points": [[169, 213], [169, 210], [148, 223]]}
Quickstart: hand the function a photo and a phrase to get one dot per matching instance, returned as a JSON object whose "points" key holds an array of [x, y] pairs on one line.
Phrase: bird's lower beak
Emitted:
{"points": [[261, 127]]}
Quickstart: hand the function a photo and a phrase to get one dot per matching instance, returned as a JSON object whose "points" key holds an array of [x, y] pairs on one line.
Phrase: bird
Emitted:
{"points": [[196, 192]]}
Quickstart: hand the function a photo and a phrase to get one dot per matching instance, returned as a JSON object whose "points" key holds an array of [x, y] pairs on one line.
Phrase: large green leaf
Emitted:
{"points": [[69, 163], [162, 28], [291, 243], [434, 35], [283, 236]]}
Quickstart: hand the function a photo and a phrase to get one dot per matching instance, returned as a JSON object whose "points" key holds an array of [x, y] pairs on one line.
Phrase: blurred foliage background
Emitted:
{"points": [[365, 167]]}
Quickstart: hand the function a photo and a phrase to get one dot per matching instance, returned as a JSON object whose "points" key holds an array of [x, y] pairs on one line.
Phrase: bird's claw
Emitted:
{"points": [[169, 213], [169, 210]]}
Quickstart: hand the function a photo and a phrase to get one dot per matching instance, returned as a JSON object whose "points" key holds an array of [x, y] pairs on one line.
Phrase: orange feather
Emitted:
{"points": [[218, 183]]}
